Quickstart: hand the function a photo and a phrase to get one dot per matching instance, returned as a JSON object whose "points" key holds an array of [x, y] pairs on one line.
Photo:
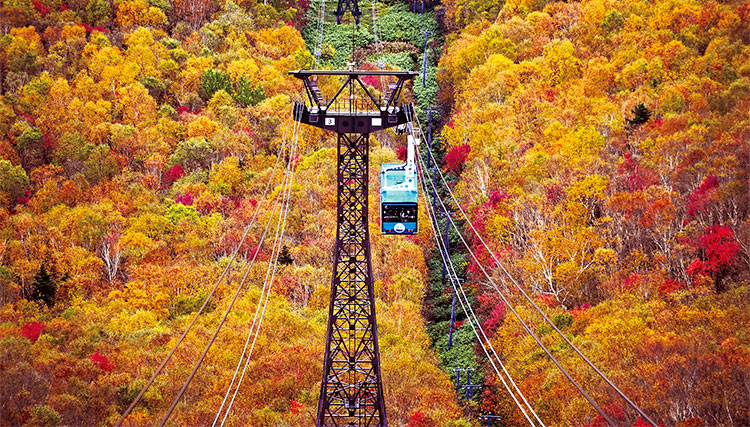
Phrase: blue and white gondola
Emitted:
{"points": [[399, 194]]}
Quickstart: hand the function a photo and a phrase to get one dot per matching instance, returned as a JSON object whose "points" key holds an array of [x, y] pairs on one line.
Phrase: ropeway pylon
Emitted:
{"points": [[351, 392]]}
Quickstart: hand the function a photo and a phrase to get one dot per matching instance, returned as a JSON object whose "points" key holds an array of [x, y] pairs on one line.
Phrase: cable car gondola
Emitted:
{"points": [[399, 194]]}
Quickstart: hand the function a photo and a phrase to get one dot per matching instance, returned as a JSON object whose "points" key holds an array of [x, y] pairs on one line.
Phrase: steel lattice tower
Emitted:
{"points": [[350, 5], [351, 392]]}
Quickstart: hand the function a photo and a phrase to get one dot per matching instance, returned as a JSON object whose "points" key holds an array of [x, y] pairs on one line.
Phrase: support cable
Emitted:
{"points": [[536, 307], [472, 318], [518, 316], [355, 28], [272, 271], [453, 276], [319, 48], [269, 283], [208, 346], [378, 53], [164, 362]]}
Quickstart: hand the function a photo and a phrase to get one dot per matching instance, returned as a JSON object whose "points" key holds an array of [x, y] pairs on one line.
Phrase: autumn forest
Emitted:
{"points": [[584, 194]]}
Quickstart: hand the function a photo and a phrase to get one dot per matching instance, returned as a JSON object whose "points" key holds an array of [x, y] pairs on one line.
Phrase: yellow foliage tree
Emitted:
{"points": [[138, 12]]}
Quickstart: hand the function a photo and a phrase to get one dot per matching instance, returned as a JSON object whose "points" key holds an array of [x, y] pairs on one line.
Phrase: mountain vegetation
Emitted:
{"points": [[137, 139], [601, 148]]}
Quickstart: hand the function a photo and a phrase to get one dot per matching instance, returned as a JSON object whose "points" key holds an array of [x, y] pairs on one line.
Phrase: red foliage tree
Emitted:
{"points": [[254, 252], [185, 199], [174, 173], [720, 248], [495, 319], [671, 285], [101, 361], [640, 422], [401, 153], [370, 81], [25, 199], [418, 420], [185, 109], [32, 330], [454, 160], [87, 27], [631, 281], [40, 7], [580, 309], [497, 197], [613, 411], [703, 195], [638, 178]]}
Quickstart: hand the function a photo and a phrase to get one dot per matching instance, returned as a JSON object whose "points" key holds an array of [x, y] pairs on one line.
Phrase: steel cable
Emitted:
{"points": [[378, 54], [231, 304], [275, 254], [319, 48], [525, 326], [471, 315], [213, 290], [448, 262], [255, 317], [534, 305]]}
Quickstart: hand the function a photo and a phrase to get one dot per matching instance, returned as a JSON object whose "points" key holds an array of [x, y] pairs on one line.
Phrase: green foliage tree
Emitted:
{"points": [[31, 147], [246, 94], [100, 164], [192, 154], [179, 212], [13, 182], [213, 81], [44, 287], [612, 21], [98, 12], [641, 114]]}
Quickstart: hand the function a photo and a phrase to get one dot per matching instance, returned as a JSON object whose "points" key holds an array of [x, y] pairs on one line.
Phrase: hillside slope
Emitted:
{"points": [[136, 141], [602, 149]]}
